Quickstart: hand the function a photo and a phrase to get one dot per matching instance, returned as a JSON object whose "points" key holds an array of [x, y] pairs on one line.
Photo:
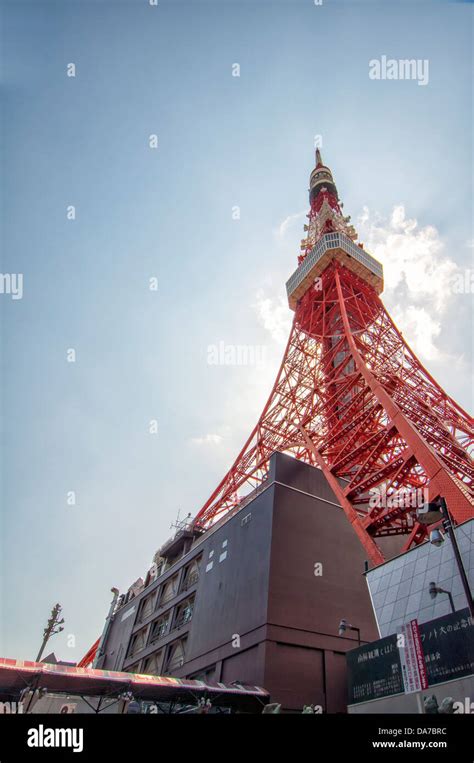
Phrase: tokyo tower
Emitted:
{"points": [[352, 398]]}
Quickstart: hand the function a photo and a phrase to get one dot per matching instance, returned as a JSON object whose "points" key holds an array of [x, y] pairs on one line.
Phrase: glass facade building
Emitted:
{"points": [[400, 588]]}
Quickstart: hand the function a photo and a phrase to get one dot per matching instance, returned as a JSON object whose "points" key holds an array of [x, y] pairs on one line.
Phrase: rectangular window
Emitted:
{"points": [[159, 629]]}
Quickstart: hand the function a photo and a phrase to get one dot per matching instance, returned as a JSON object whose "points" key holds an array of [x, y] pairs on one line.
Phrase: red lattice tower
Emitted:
{"points": [[89, 657], [352, 398]]}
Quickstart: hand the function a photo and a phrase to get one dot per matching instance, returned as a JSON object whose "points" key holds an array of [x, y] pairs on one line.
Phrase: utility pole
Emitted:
{"points": [[54, 626]]}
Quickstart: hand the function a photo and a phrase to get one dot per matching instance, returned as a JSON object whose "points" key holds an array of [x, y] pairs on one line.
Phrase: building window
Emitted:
{"points": [[184, 613], [176, 655], [152, 665], [147, 606], [191, 575], [170, 589], [206, 675], [138, 641], [159, 628]]}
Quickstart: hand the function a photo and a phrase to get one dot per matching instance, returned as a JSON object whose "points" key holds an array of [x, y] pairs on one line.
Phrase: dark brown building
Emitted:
{"points": [[257, 598]]}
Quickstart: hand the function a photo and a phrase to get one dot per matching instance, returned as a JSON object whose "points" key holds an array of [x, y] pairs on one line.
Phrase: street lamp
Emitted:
{"points": [[435, 590], [436, 538], [345, 626], [435, 511]]}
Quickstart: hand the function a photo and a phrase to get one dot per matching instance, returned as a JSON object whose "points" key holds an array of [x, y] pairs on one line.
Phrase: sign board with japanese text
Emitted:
{"points": [[375, 670], [412, 660], [448, 646]]}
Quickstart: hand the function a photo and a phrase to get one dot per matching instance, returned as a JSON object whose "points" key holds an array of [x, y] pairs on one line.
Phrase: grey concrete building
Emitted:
{"points": [[256, 599]]}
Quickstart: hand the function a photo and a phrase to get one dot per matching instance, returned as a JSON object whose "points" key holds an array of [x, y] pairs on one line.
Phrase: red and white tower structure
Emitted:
{"points": [[352, 398]]}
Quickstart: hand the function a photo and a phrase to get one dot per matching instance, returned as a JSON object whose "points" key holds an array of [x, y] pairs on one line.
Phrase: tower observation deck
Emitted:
{"points": [[333, 247]]}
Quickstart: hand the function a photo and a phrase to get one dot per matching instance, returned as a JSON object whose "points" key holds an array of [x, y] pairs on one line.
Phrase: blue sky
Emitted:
{"points": [[401, 155]]}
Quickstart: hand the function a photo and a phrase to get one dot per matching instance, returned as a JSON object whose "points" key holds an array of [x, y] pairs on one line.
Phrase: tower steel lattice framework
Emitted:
{"points": [[352, 398]]}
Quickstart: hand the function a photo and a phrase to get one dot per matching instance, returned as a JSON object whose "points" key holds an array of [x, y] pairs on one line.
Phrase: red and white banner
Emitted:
{"points": [[412, 659]]}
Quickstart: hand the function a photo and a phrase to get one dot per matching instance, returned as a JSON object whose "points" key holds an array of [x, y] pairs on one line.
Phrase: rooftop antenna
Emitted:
{"points": [[180, 524]]}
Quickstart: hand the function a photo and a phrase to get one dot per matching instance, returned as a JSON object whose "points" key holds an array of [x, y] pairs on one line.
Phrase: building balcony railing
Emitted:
{"points": [[189, 581], [159, 633], [182, 620]]}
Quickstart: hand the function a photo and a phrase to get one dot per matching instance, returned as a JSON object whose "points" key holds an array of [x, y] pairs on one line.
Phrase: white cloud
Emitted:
{"points": [[274, 315], [421, 327], [283, 228], [418, 276], [364, 216]]}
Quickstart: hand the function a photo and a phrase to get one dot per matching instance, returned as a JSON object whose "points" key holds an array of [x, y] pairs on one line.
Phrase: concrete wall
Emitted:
{"points": [[307, 532], [232, 595], [119, 637]]}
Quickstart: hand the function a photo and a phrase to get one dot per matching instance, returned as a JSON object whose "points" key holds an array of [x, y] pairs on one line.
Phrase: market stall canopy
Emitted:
{"points": [[17, 675]]}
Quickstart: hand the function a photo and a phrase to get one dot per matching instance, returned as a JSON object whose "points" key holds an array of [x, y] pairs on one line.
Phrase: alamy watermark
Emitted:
{"points": [[406, 498], [42, 736], [12, 284], [11, 707], [463, 282], [417, 69], [466, 706], [223, 354]]}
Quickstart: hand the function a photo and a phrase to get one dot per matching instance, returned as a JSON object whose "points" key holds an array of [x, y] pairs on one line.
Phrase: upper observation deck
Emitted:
{"points": [[333, 246]]}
